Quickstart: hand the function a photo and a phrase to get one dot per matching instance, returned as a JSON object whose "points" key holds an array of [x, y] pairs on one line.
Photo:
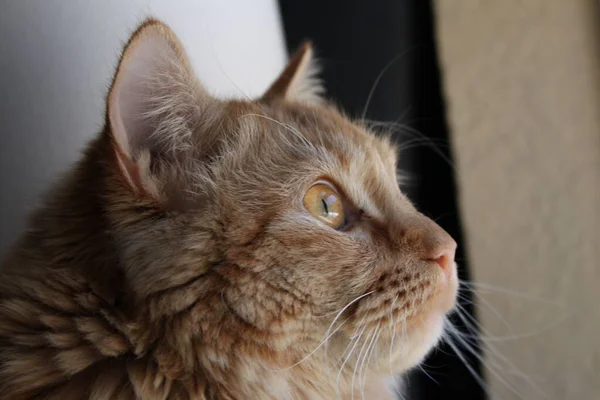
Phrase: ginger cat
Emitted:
{"points": [[211, 249]]}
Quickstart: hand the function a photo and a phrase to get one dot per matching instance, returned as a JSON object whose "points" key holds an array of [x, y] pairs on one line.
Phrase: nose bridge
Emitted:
{"points": [[422, 236]]}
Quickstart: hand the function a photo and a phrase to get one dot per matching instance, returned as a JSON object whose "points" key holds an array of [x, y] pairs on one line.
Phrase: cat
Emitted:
{"points": [[213, 249]]}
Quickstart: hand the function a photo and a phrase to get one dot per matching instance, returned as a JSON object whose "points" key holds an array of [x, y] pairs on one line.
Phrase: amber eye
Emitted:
{"points": [[323, 202]]}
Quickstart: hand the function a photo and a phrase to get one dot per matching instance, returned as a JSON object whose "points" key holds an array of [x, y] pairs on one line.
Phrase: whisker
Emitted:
{"points": [[346, 307], [491, 363], [352, 338], [393, 328], [454, 347], [495, 352], [492, 309], [315, 350], [480, 287], [399, 393], [358, 360], [487, 364], [329, 314], [364, 365], [290, 128], [476, 326], [427, 374], [399, 128], [518, 336], [347, 358], [380, 75]]}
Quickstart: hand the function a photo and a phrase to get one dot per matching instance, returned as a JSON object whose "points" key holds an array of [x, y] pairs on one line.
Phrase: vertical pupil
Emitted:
{"points": [[325, 208]]}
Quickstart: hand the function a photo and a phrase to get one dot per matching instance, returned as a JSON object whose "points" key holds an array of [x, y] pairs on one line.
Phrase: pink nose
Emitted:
{"points": [[446, 259], [428, 241], [435, 244]]}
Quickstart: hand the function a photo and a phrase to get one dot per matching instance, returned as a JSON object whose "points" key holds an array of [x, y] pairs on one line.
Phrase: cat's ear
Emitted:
{"points": [[299, 80], [152, 102]]}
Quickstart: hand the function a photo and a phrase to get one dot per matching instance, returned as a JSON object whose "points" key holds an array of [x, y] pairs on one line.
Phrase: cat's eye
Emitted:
{"points": [[325, 204]]}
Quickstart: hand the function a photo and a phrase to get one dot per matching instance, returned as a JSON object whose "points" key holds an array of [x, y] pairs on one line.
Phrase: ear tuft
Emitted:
{"points": [[299, 81], [152, 103]]}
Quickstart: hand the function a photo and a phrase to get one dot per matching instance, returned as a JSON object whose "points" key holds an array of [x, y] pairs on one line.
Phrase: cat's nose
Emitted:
{"points": [[438, 246], [428, 241], [445, 256]]}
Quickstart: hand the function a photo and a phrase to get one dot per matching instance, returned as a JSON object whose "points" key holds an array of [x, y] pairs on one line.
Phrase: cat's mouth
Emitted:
{"points": [[440, 300], [405, 334], [449, 290], [416, 295], [422, 330]]}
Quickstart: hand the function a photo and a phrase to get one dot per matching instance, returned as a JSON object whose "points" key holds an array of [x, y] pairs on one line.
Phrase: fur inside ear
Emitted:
{"points": [[299, 80], [152, 103]]}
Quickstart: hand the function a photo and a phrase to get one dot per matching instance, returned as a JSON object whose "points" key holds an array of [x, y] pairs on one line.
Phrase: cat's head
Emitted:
{"points": [[281, 210]]}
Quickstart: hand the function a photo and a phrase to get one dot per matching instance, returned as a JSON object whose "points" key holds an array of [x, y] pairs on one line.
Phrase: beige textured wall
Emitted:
{"points": [[522, 81]]}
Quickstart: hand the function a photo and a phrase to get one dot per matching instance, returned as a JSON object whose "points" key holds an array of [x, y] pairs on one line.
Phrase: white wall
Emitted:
{"points": [[56, 60]]}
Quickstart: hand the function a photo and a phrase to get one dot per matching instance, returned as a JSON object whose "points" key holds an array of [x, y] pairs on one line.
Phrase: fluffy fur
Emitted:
{"points": [[175, 260]]}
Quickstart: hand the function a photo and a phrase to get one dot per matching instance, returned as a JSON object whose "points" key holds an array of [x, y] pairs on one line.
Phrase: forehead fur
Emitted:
{"points": [[292, 144]]}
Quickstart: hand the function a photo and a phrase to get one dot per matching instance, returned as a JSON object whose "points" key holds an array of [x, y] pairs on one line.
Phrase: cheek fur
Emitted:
{"points": [[331, 267], [404, 313]]}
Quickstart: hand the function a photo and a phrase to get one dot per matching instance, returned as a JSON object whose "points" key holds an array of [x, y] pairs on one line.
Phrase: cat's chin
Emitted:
{"points": [[423, 331], [418, 343]]}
